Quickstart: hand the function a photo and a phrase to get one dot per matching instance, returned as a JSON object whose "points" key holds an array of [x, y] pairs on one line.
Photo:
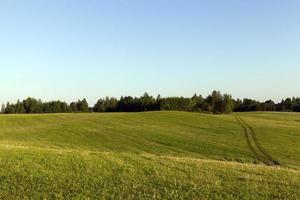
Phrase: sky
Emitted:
{"points": [[70, 49]]}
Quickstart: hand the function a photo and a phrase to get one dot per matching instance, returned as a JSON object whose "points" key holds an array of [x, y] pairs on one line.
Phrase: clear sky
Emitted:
{"points": [[68, 49]]}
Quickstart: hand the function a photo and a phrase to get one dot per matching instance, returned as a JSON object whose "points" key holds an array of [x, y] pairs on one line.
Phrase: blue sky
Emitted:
{"points": [[66, 49]]}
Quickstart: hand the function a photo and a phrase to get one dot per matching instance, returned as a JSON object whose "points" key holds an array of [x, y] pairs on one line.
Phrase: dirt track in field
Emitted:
{"points": [[253, 144]]}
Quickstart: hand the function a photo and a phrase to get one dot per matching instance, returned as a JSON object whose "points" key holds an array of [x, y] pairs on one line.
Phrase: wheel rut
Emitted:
{"points": [[255, 147]]}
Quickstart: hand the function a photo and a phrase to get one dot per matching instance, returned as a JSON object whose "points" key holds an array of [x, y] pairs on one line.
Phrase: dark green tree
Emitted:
{"points": [[83, 106]]}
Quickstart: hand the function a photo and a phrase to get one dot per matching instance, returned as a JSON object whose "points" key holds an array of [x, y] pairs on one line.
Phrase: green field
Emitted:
{"points": [[151, 155]]}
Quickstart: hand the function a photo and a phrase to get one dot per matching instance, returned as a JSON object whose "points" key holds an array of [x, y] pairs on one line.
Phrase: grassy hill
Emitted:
{"points": [[154, 155]]}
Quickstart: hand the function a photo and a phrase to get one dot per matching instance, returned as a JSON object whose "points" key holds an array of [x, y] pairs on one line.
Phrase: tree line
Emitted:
{"points": [[31, 106], [215, 103], [286, 105]]}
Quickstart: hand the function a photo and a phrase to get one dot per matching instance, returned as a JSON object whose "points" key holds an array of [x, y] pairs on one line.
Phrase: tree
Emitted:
{"points": [[216, 102], [228, 104], [32, 105], [148, 103], [3, 109], [198, 104], [10, 109], [74, 107], [99, 106], [295, 104], [20, 107], [268, 106], [110, 104], [83, 106], [288, 104], [126, 104]]}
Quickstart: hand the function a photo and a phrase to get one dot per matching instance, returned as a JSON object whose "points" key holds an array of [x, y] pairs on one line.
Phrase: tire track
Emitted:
{"points": [[251, 147], [261, 149], [254, 146]]}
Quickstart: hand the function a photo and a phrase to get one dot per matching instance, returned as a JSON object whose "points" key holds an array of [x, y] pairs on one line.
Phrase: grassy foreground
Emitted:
{"points": [[155, 155]]}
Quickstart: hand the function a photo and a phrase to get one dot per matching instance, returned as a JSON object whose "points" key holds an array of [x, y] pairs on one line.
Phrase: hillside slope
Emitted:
{"points": [[150, 155]]}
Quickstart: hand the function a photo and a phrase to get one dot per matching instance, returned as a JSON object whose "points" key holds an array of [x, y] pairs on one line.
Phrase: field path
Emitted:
{"points": [[253, 144]]}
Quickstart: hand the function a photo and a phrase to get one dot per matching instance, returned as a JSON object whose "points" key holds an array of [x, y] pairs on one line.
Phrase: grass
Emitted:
{"points": [[155, 155]]}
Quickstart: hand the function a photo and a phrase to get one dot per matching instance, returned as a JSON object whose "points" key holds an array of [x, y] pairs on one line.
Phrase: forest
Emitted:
{"points": [[216, 103]]}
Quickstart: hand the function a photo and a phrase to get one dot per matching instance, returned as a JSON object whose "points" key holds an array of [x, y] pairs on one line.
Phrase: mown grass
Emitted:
{"points": [[155, 155], [163, 133], [279, 134]]}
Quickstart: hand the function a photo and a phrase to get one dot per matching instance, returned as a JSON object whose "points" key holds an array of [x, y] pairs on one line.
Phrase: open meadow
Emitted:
{"points": [[150, 155]]}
